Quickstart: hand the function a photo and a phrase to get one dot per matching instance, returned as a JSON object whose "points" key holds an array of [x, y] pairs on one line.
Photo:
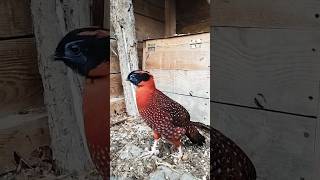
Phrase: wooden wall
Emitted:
{"points": [[23, 120], [182, 71], [192, 16], [265, 93]]}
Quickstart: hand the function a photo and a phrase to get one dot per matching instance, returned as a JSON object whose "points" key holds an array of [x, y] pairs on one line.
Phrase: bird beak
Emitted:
{"points": [[58, 57]]}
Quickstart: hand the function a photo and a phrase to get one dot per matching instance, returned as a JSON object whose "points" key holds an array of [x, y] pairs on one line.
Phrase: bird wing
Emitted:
{"points": [[179, 115]]}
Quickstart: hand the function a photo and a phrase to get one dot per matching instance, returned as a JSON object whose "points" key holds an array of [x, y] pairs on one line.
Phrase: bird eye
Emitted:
{"points": [[75, 49]]}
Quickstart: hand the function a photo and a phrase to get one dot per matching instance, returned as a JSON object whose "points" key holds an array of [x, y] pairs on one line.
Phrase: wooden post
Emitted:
{"points": [[170, 18], [62, 87], [123, 23]]}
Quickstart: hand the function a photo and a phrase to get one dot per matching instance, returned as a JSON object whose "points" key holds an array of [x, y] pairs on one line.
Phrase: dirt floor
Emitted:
{"points": [[131, 137]]}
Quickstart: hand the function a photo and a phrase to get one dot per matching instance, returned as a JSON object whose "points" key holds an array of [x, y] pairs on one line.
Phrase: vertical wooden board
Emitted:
{"points": [[106, 19], [193, 16], [198, 108], [281, 146], [264, 13], [117, 106], [149, 9], [280, 65], [191, 83], [190, 52], [170, 26], [15, 18], [23, 134], [20, 82], [147, 28], [114, 64], [116, 88]]}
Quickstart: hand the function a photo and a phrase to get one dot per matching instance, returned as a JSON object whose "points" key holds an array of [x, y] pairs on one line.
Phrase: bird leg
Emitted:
{"points": [[154, 150], [177, 144]]}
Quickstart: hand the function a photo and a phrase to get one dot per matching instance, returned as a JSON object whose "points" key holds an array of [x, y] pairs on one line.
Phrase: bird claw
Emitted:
{"points": [[150, 153]]}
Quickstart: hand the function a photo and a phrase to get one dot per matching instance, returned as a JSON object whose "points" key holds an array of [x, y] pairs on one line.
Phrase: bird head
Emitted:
{"points": [[84, 49], [140, 78]]}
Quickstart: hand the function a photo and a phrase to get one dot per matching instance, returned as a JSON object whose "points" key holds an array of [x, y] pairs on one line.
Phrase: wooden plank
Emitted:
{"points": [[127, 47], [117, 106], [192, 83], [114, 64], [170, 18], [20, 82], [280, 65], [116, 88], [106, 19], [193, 16], [147, 28], [148, 9], [266, 14], [22, 133], [62, 87], [15, 18], [178, 53], [198, 108], [281, 146]]}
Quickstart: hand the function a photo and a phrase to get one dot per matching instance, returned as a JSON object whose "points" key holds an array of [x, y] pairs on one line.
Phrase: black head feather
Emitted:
{"points": [[83, 50], [135, 77]]}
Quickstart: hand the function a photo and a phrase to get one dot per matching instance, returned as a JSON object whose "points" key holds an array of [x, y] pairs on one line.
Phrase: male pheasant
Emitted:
{"points": [[86, 51], [171, 120]]}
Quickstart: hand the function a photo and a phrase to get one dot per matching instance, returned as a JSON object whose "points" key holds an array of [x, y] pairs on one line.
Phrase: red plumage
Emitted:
{"points": [[165, 116]]}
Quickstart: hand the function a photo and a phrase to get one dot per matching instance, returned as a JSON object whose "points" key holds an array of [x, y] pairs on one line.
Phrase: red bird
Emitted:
{"points": [[169, 119], [166, 117], [86, 51]]}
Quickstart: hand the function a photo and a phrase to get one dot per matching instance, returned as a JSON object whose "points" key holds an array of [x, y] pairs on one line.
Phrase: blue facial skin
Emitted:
{"points": [[135, 77]]}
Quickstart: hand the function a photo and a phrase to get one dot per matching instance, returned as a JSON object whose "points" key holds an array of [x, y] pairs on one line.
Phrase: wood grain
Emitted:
{"points": [[117, 106], [266, 14], [23, 134], [149, 9], [170, 26], [125, 32], [116, 89], [198, 108], [15, 18], [20, 82], [193, 16], [147, 28], [192, 82], [114, 64], [281, 146], [178, 53], [280, 65]]}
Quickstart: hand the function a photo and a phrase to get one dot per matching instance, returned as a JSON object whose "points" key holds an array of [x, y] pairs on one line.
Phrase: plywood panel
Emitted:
{"points": [[20, 83], [281, 146], [181, 53], [15, 18], [198, 108], [149, 9], [147, 28], [23, 134], [276, 14], [277, 67], [192, 83]]}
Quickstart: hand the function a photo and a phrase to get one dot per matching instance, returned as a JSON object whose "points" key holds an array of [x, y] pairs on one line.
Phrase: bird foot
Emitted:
{"points": [[148, 154], [178, 155]]}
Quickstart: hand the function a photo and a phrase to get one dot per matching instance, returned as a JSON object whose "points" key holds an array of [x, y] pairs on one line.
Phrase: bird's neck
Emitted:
{"points": [[144, 93]]}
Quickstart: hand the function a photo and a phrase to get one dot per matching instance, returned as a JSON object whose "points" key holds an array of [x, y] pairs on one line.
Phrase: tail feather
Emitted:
{"points": [[195, 137]]}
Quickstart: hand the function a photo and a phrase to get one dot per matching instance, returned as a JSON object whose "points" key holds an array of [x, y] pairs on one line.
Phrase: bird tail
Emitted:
{"points": [[195, 137]]}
